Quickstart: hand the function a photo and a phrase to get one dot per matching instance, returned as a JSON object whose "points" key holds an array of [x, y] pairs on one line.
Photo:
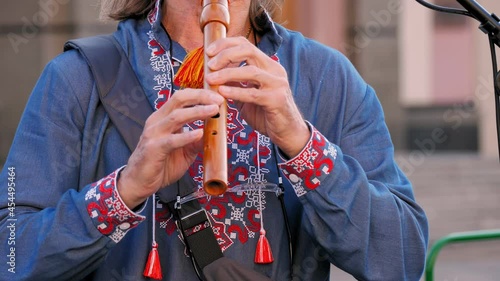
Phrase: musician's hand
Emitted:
{"points": [[267, 103], [164, 151]]}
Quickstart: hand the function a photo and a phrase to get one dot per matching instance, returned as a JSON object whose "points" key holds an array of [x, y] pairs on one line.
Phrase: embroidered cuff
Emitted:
{"points": [[306, 170], [110, 215]]}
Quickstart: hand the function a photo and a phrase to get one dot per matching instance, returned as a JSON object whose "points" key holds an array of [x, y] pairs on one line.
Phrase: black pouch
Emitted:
{"points": [[227, 269], [206, 256]]}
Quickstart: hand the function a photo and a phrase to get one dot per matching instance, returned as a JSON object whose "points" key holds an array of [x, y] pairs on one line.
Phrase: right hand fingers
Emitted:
{"points": [[186, 98], [163, 153], [183, 107], [172, 123]]}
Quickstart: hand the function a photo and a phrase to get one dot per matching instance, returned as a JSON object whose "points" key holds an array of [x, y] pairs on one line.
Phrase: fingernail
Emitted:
{"points": [[213, 108], [224, 88], [217, 99], [211, 79], [211, 63], [210, 49]]}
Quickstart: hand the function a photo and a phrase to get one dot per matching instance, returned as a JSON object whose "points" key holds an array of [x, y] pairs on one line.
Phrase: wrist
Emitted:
{"points": [[126, 190], [294, 144]]}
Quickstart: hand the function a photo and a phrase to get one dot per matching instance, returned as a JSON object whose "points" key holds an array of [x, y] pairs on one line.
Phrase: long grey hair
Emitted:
{"points": [[138, 9]]}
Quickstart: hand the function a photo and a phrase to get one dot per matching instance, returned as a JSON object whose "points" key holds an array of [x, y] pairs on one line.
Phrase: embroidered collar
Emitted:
{"points": [[159, 33], [270, 41]]}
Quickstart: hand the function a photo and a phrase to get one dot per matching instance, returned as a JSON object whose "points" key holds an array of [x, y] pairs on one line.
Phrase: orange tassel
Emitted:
{"points": [[153, 267], [190, 73], [263, 253]]}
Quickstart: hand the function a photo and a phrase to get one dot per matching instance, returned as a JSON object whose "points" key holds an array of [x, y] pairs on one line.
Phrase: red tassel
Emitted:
{"points": [[153, 267], [263, 253], [191, 72]]}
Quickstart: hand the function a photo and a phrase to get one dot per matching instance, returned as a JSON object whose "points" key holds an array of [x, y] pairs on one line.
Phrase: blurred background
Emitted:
{"points": [[432, 73]]}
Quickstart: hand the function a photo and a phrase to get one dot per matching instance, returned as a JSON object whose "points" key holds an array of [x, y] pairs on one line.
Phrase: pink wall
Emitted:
{"points": [[322, 20], [454, 65]]}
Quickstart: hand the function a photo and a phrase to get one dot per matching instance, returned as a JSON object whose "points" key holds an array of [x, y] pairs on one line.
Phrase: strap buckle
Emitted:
{"points": [[192, 223]]}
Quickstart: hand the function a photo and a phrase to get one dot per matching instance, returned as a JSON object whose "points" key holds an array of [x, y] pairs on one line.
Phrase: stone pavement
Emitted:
{"points": [[459, 192]]}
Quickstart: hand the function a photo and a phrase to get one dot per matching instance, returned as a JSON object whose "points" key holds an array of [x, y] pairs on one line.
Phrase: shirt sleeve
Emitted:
{"points": [[62, 229], [315, 161], [109, 213], [358, 204]]}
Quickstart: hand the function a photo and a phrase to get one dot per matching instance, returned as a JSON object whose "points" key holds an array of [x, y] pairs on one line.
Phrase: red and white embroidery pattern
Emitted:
{"points": [[153, 14], [235, 124], [162, 67], [233, 216], [314, 162], [107, 210], [198, 228], [220, 233]]}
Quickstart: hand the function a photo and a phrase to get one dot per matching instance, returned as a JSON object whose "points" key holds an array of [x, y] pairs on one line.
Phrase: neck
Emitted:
{"points": [[181, 19]]}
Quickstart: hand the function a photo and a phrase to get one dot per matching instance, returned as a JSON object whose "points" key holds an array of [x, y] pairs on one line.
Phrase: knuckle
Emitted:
{"points": [[148, 123], [167, 142], [173, 118], [174, 99], [145, 145], [254, 94], [241, 40], [254, 51], [252, 69], [153, 118], [282, 71], [146, 137]]}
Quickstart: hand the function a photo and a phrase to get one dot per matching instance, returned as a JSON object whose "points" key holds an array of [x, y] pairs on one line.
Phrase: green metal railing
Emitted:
{"points": [[458, 237]]}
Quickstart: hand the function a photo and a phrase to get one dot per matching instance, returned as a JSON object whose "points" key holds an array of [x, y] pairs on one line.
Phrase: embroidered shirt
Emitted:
{"points": [[348, 202]]}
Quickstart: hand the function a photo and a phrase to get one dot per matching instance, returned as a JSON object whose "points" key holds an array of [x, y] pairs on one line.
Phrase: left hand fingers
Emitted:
{"points": [[260, 71], [227, 51], [262, 84], [271, 106]]}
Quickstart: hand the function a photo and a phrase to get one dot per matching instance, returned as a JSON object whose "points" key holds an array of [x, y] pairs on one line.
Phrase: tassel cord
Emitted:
{"points": [[281, 197], [153, 199], [260, 186], [153, 267], [263, 252]]}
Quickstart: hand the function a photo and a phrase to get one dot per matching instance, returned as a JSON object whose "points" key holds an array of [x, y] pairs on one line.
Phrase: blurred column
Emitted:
{"points": [[365, 31], [416, 54], [86, 19], [31, 34], [322, 20], [27, 29], [59, 29], [484, 94], [375, 51]]}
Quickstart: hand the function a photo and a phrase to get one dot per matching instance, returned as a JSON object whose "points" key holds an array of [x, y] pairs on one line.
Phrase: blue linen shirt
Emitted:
{"points": [[348, 202]]}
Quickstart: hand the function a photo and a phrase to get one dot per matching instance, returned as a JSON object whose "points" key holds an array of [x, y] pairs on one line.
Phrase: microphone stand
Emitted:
{"points": [[490, 25]]}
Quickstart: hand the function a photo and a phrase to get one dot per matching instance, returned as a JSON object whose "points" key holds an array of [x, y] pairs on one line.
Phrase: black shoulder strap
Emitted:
{"points": [[121, 95], [126, 104], [119, 89]]}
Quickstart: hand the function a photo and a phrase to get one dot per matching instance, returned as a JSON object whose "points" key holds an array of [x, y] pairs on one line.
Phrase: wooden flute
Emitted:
{"points": [[214, 22]]}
